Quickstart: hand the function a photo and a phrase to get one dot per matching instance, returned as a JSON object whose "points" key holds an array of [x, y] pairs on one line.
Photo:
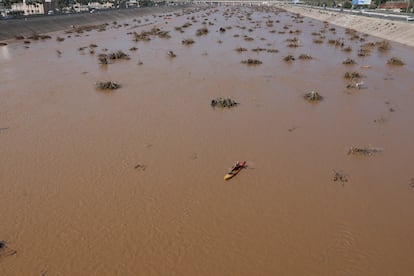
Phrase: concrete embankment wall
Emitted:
{"points": [[9, 29], [401, 32]]}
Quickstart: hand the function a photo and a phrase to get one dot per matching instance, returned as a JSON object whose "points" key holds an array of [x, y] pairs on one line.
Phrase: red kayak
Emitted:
{"points": [[235, 170]]}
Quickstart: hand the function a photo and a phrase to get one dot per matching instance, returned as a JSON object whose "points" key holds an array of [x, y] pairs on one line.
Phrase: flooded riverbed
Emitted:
{"points": [[130, 181]]}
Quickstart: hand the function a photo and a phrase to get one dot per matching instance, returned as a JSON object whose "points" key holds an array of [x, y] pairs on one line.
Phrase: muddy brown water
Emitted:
{"points": [[130, 182]]}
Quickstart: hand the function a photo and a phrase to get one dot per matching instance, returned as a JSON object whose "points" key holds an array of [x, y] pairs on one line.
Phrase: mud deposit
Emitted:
{"points": [[130, 181]]}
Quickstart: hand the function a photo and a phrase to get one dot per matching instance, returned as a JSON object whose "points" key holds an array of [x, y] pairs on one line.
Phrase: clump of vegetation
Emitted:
{"points": [[188, 41], [313, 96], [317, 41], [340, 176], [19, 37], [289, 58], [305, 56], [93, 45], [383, 45], [118, 55], [60, 39], [272, 50], [366, 151], [224, 103], [241, 49], [202, 31], [88, 28], [41, 37], [108, 85], [347, 49], [252, 61], [258, 49], [103, 59], [248, 38], [133, 48], [348, 61], [395, 61], [3, 44], [352, 75]]}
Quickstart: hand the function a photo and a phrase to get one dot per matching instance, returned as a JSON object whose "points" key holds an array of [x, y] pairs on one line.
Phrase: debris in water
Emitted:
{"points": [[340, 176], [313, 96], [108, 85], [221, 102], [367, 151]]}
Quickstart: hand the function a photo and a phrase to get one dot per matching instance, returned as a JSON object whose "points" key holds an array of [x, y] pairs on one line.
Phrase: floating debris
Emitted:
{"points": [[202, 31], [241, 49], [305, 56], [41, 37], [5, 251], [251, 61], [188, 41], [383, 45], [289, 58], [356, 84], [140, 167], [118, 55], [103, 59], [348, 61], [367, 151], [395, 61], [352, 75], [222, 102], [340, 176], [108, 85], [313, 96]]}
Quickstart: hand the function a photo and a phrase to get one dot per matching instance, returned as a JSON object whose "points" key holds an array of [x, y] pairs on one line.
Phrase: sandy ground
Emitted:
{"points": [[130, 181], [401, 32]]}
